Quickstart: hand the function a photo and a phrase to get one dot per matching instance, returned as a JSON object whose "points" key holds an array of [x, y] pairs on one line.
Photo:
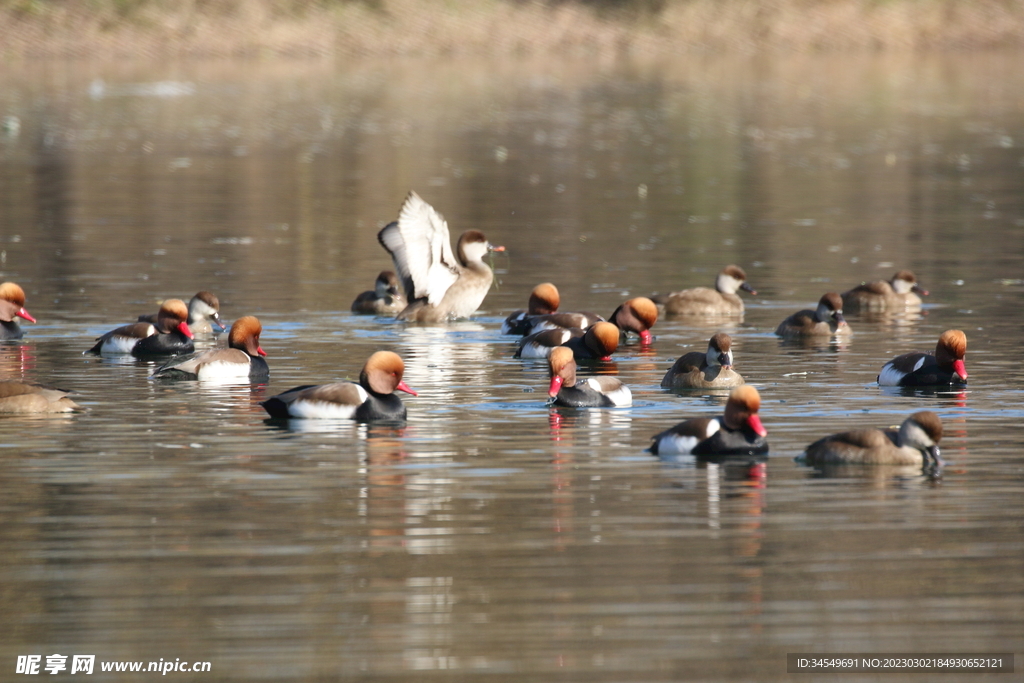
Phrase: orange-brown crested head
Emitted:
{"points": [[383, 372], [14, 296], [636, 315], [602, 339], [173, 315], [245, 335], [950, 351], [13, 293], [562, 366], [544, 299], [741, 410]]}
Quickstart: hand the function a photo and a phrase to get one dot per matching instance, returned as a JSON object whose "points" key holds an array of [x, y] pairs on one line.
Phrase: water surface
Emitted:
{"points": [[492, 536]]}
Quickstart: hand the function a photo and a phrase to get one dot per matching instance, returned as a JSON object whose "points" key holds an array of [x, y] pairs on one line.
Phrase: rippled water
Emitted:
{"points": [[491, 535]]}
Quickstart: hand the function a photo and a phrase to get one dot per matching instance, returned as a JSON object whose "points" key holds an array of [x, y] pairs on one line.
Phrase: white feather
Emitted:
{"points": [[677, 445], [890, 376], [304, 408], [621, 396], [220, 371], [535, 350], [421, 249], [119, 344]]}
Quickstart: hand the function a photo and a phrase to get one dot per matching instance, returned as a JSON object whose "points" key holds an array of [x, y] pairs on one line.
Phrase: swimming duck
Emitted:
{"points": [[738, 432], [169, 336], [373, 398], [203, 314], [636, 315], [596, 392], [826, 320], [710, 370], [722, 300], [945, 368], [385, 299], [915, 443], [898, 294], [242, 360]]}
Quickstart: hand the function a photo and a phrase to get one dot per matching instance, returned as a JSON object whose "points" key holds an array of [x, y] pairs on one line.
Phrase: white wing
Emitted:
{"points": [[421, 250]]}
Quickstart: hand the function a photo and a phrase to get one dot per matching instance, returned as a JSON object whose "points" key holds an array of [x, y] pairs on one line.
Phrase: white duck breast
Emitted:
{"points": [[117, 344]]}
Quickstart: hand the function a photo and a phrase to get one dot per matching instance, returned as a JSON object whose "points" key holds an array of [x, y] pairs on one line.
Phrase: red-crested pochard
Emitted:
{"points": [[945, 368], [242, 360], [544, 300], [711, 370], [385, 298], [599, 341], [203, 314], [722, 300], [826, 320], [738, 432], [24, 397], [898, 294], [915, 443], [636, 315], [372, 399], [596, 392], [12, 306], [438, 286], [170, 335]]}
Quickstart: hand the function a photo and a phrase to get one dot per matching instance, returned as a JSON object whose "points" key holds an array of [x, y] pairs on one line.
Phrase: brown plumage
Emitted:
{"points": [[544, 300], [385, 298], [915, 443], [243, 359], [24, 397]]}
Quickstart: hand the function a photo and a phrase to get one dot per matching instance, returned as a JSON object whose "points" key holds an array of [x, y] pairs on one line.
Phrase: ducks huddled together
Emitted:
{"points": [[431, 283]]}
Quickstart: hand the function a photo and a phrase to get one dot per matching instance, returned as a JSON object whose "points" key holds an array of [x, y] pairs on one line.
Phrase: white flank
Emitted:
{"points": [[534, 350], [118, 344], [321, 410], [220, 371], [677, 445], [890, 376], [620, 397]]}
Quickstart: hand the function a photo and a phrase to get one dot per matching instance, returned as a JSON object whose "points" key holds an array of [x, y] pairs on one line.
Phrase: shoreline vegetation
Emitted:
{"points": [[311, 29]]}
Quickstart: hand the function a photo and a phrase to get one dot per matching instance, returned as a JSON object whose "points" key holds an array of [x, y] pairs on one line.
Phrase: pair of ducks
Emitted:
{"points": [[739, 432]]}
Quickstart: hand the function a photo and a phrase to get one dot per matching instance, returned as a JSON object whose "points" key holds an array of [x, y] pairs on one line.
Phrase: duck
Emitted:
{"points": [[898, 294], [25, 397], [915, 443], [242, 360], [918, 369], [12, 306], [567, 320], [439, 285], [203, 314], [169, 336], [738, 432], [384, 299], [372, 399], [637, 315], [722, 300], [710, 370], [599, 341], [826, 320], [544, 300], [595, 392]]}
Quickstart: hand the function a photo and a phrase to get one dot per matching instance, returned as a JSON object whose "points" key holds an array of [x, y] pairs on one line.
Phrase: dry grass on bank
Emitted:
{"points": [[160, 29]]}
